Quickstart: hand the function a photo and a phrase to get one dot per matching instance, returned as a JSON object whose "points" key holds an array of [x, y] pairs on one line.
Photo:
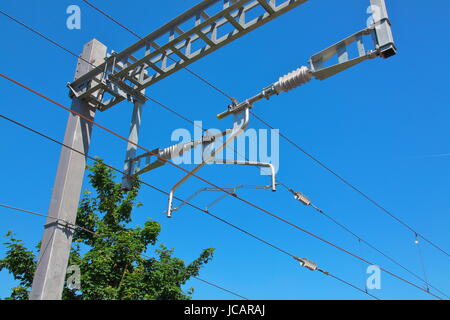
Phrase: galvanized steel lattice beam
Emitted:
{"points": [[196, 33]]}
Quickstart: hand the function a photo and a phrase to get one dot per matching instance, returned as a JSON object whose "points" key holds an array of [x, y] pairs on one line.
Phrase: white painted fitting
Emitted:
{"points": [[293, 80]]}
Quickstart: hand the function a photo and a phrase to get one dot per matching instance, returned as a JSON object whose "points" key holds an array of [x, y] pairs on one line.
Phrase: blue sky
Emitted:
{"points": [[383, 125]]}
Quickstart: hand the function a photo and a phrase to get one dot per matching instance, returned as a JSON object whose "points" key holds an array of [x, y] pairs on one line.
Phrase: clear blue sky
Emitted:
{"points": [[383, 125]]}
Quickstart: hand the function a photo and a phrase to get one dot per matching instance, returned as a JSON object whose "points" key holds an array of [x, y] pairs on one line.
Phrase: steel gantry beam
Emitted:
{"points": [[194, 34], [322, 65]]}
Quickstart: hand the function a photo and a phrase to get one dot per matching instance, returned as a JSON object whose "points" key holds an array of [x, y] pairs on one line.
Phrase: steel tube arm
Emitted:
{"points": [[254, 164], [238, 129]]}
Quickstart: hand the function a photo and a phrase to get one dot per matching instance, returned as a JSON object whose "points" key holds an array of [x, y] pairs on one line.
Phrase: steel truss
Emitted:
{"points": [[196, 33]]}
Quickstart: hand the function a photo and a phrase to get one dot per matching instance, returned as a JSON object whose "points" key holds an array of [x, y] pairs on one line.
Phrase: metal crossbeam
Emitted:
{"points": [[211, 25]]}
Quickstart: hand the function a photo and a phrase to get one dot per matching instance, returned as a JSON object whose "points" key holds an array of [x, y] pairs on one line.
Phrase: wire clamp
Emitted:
{"points": [[306, 263]]}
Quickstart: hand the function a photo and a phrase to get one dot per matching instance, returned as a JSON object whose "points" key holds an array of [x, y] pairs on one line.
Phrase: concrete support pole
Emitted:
{"points": [[131, 148], [49, 278]]}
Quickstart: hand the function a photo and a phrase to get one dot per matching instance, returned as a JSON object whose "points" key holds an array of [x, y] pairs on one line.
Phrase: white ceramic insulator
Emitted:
{"points": [[293, 80], [175, 150]]}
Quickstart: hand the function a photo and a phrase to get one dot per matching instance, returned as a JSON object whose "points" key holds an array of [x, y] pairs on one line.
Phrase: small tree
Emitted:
{"points": [[111, 262]]}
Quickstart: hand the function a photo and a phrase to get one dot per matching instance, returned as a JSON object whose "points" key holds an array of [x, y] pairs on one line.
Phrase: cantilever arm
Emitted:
{"points": [[238, 128]]}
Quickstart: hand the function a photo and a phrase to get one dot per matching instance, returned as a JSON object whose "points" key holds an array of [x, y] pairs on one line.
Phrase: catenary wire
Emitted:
{"points": [[149, 185], [149, 98], [44, 36], [370, 245], [93, 65], [215, 186], [207, 212], [373, 247], [334, 173], [155, 188]]}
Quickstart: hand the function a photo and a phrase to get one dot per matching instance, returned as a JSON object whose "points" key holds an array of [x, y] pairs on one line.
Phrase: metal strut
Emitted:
{"points": [[217, 200], [240, 124], [134, 165]]}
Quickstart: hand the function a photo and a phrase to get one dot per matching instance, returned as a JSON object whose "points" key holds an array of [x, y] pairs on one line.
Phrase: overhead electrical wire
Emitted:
{"points": [[422, 262], [351, 185], [117, 134], [257, 117], [283, 136], [166, 193], [75, 226], [373, 247], [41, 35], [150, 152], [148, 185], [261, 209]]}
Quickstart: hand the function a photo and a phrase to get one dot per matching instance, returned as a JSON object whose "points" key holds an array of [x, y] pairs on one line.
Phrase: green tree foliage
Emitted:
{"points": [[111, 262]]}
